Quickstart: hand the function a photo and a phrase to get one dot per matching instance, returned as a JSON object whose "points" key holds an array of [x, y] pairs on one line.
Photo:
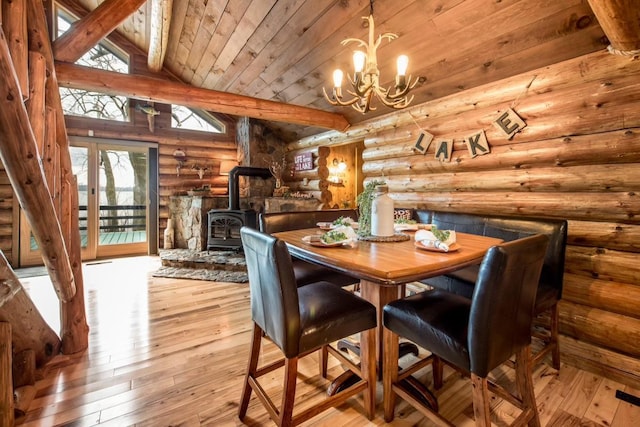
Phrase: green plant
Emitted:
{"points": [[364, 200]]}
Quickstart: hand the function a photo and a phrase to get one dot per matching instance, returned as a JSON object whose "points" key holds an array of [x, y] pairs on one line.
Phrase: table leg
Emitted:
{"points": [[379, 295]]}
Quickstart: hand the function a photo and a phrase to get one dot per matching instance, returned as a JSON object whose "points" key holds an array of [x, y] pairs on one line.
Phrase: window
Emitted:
{"points": [[186, 118], [104, 56]]}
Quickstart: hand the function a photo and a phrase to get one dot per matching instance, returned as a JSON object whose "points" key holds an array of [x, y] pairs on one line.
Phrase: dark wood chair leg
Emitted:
{"points": [[553, 339], [289, 392], [481, 410], [524, 382], [437, 367], [389, 372], [256, 338], [324, 360]]}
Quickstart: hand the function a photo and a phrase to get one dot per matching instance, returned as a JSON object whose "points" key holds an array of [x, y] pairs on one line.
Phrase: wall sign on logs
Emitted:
{"points": [[508, 122], [423, 142], [303, 162], [477, 144]]}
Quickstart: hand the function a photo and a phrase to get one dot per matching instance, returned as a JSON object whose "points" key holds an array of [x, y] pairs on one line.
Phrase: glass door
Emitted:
{"points": [[113, 197]]}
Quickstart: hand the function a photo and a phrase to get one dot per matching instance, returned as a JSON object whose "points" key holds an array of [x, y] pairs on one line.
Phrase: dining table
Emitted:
{"points": [[383, 268]]}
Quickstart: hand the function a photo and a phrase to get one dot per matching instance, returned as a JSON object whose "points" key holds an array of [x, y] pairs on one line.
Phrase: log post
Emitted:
{"points": [[15, 29], [19, 154], [620, 20], [74, 327], [30, 331], [6, 383], [35, 104], [24, 368]]}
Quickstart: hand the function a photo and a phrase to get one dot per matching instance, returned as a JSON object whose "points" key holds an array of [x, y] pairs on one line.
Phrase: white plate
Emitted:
{"points": [[452, 247], [325, 225], [316, 241]]}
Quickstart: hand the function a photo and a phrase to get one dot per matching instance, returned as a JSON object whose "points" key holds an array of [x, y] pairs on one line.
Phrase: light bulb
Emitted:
{"points": [[337, 78], [359, 58], [403, 62]]}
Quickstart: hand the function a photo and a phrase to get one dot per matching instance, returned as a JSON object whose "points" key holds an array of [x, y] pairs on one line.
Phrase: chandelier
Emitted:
{"points": [[366, 80]]}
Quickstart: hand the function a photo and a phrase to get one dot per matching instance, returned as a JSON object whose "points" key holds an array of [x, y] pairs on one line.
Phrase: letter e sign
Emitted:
{"points": [[509, 123]]}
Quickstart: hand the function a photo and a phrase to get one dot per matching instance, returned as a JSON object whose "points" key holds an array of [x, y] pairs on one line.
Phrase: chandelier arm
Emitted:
{"points": [[390, 36], [337, 101], [352, 40], [403, 92]]}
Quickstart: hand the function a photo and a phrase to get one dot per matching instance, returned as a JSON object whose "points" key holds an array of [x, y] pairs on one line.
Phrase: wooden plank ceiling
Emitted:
{"points": [[286, 50]]}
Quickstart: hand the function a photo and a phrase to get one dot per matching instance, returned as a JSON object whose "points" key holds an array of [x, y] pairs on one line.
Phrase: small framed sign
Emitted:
{"points": [[303, 162]]}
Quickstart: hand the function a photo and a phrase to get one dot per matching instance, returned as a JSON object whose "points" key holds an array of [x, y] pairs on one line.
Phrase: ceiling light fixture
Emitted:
{"points": [[366, 80]]}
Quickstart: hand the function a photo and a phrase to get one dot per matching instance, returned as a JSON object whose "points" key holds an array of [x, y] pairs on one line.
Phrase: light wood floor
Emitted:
{"points": [[169, 352]]}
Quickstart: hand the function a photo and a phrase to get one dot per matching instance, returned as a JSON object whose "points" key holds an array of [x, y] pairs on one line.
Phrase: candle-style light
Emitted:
{"points": [[366, 76]]}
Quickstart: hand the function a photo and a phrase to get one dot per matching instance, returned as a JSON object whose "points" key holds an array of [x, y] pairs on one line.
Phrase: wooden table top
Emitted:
{"points": [[389, 263]]}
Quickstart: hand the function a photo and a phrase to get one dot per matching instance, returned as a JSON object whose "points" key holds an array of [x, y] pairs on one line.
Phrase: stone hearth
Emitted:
{"points": [[217, 266]]}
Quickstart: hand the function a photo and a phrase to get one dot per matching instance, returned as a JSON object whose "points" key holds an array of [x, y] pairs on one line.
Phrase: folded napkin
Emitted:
{"points": [[347, 231], [428, 239]]}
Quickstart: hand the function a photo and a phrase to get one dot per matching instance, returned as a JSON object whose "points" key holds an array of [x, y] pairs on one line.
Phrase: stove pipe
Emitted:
{"points": [[234, 187]]}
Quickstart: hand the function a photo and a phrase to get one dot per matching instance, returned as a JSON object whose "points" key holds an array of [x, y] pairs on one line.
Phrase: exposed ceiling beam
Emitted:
{"points": [[158, 90], [620, 20], [159, 37], [88, 31]]}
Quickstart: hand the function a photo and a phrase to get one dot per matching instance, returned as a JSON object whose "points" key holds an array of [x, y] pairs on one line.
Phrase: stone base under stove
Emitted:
{"points": [[216, 266]]}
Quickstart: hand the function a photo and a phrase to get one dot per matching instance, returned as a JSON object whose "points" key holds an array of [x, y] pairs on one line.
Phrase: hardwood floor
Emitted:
{"points": [[171, 352]]}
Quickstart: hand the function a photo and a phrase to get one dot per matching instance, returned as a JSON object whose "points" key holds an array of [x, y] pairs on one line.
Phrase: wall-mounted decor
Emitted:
{"points": [[423, 142], [303, 162], [509, 122], [477, 144]]}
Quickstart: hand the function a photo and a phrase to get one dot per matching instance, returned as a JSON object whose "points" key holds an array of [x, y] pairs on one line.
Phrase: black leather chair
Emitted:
{"points": [[511, 228], [306, 272], [476, 335], [301, 320]]}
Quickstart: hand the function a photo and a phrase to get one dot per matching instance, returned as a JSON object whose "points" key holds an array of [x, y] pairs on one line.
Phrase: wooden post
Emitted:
{"points": [[74, 327], [35, 104], [15, 29], [620, 20], [19, 154], [6, 383]]}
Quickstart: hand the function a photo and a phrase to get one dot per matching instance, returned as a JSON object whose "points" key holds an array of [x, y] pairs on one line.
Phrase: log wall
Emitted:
{"points": [[578, 158]]}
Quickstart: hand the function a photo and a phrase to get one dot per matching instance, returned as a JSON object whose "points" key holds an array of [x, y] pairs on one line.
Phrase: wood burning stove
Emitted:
{"points": [[223, 229]]}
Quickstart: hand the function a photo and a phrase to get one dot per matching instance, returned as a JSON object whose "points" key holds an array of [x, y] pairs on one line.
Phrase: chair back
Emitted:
{"points": [[284, 221], [273, 291], [503, 302]]}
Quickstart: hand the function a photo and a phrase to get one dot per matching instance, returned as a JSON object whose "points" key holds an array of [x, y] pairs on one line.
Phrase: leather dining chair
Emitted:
{"points": [[306, 272], [474, 336], [299, 321]]}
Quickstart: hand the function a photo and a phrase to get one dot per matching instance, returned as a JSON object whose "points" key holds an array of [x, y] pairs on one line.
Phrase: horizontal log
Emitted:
{"points": [[592, 178], [610, 235], [619, 146], [621, 207], [605, 329], [603, 264], [176, 138], [158, 90], [616, 297], [607, 363]]}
